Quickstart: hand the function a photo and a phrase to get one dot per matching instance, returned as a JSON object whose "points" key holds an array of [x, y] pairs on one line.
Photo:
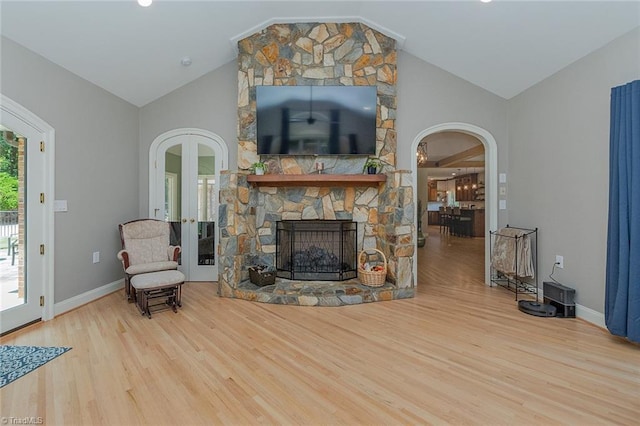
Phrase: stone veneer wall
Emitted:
{"points": [[315, 54]]}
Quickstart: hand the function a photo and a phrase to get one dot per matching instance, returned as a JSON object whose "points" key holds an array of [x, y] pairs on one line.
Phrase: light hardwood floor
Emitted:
{"points": [[460, 352]]}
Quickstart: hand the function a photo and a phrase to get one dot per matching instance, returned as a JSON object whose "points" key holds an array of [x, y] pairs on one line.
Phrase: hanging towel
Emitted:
{"points": [[511, 251]]}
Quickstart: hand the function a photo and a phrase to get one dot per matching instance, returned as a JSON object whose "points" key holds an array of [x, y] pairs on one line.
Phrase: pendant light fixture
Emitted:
{"points": [[421, 153]]}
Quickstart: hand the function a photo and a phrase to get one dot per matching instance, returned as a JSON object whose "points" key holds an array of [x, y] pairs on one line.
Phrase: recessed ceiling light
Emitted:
{"points": [[145, 3], [186, 61], [485, 1]]}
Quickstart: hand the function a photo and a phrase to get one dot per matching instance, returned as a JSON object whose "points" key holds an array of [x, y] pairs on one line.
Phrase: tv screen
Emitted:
{"points": [[316, 120]]}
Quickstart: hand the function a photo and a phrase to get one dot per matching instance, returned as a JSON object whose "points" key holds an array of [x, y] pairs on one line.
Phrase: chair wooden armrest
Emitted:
{"points": [[174, 252], [124, 258]]}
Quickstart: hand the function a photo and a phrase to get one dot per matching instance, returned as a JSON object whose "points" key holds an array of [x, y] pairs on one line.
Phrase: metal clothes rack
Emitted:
{"points": [[516, 282]]}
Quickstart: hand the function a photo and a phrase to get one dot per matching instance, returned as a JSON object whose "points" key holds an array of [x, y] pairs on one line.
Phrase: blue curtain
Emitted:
{"points": [[622, 297]]}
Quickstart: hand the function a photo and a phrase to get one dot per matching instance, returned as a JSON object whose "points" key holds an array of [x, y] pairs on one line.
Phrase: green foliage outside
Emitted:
{"points": [[8, 192], [8, 175]]}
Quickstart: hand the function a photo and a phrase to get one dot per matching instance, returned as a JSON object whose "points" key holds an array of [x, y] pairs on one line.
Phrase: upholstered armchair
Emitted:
{"points": [[145, 248]]}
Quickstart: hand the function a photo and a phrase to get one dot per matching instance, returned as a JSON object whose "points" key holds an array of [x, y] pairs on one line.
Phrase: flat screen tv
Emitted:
{"points": [[316, 120]]}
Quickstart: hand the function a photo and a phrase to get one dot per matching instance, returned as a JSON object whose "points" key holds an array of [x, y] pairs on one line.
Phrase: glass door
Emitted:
{"points": [[199, 209], [206, 209], [171, 210], [20, 205], [187, 179]]}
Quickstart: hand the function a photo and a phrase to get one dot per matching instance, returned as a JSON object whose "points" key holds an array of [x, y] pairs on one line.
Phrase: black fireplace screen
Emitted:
{"points": [[322, 250]]}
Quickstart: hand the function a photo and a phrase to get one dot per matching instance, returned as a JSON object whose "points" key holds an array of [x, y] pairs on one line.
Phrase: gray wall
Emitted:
{"points": [[559, 164], [95, 164], [428, 95], [208, 103]]}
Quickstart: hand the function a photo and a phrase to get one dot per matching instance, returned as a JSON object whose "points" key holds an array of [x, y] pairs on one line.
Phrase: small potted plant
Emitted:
{"points": [[258, 168], [372, 165]]}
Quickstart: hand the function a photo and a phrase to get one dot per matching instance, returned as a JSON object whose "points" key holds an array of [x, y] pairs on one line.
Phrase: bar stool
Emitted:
{"points": [[445, 219], [455, 216]]}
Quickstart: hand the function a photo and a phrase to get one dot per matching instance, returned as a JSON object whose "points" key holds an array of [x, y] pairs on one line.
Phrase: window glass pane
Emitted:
{"points": [[173, 193], [206, 205]]}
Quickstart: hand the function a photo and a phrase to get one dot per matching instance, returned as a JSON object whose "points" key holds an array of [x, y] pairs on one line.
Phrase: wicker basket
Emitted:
{"points": [[260, 277], [372, 278]]}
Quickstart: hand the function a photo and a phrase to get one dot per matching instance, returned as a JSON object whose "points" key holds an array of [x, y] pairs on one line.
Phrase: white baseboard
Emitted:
{"points": [[89, 296], [589, 315], [582, 312]]}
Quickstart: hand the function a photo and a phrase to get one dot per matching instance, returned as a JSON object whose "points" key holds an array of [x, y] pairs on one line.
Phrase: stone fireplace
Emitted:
{"points": [[250, 209]]}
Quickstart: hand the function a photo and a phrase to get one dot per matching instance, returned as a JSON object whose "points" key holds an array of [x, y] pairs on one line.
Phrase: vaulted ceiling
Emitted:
{"points": [[135, 53]]}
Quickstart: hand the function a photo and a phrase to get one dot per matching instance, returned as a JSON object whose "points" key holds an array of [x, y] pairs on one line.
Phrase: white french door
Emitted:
{"points": [[183, 190], [26, 259]]}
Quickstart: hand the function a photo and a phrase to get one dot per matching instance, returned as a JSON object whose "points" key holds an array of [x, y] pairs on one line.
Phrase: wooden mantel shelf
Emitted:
{"points": [[317, 180]]}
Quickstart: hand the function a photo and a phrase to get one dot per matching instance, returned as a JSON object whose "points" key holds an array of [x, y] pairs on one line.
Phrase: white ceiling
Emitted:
{"points": [[505, 46], [444, 144]]}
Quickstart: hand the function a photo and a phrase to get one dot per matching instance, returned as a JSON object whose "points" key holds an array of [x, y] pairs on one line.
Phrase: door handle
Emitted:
{"points": [[192, 220], [184, 220]]}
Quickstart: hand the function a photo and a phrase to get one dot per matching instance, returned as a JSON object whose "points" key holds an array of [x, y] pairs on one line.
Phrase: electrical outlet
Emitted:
{"points": [[96, 256], [560, 261]]}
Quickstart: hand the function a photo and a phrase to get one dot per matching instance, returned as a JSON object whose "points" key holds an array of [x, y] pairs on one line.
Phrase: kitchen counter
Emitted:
{"points": [[477, 220], [476, 215]]}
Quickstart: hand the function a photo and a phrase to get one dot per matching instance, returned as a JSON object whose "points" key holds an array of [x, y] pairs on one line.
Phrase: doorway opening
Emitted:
{"points": [[26, 222], [486, 147]]}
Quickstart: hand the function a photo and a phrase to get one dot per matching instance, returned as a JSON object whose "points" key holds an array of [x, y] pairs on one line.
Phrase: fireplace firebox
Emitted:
{"points": [[321, 250]]}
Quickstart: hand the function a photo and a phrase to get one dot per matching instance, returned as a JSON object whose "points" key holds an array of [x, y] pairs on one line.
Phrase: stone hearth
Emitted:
{"points": [[320, 293]]}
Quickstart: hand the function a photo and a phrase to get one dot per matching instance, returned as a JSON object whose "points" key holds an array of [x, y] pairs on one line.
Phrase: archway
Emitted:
{"points": [[491, 179]]}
